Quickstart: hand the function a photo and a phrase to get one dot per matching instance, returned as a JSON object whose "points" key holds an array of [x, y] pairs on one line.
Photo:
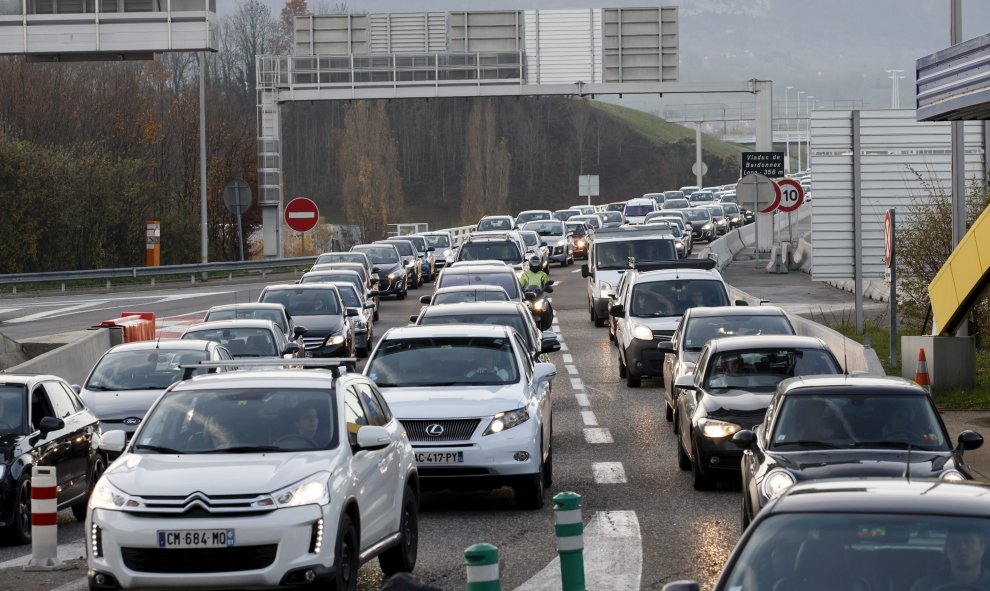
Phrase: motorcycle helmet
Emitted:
{"points": [[535, 263]]}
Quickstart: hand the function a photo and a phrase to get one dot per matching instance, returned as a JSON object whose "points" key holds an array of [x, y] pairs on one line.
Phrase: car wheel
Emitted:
{"points": [[375, 315], [623, 371], [20, 529], [683, 461], [401, 295], [79, 509], [599, 322], [631, 380], [548, 464], [611, 334], [529, 491], [676, 425], [401, 558], [702, 481], [744, 523], [345, 557], [668, 412]]}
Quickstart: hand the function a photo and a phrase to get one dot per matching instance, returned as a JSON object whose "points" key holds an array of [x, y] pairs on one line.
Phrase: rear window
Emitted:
{"points": [[547, 228], [495, 224], [438, 240], [654, 299], [379, 255], [261, 314], [490, 251], [638, 210], [506, 281], [481, 295], [616, 255], [443, 362], [704, 328], [419, 242], [404, 248], [511, 320], [341, 257], [241, 342], [143, 370]]}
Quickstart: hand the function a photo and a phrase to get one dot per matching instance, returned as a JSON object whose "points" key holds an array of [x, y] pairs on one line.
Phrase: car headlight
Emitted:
{"points": [[713, 429], [393, 276], [313, 490], [643, 333], [776, 482], [721, 222], [605, 288], [360, 323], [707, 226], [561, 242], [538, 305], [582, 242], [679, 245], [952, 475], [335, 339], [109, 497], [507, 420], [447, 253]]}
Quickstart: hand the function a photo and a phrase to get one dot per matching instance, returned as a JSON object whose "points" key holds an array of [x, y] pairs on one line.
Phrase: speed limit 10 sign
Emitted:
{"points": [[791, 195]]}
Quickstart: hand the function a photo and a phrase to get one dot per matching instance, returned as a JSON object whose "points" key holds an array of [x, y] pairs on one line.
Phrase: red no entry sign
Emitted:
{"points": [[301, 214]]}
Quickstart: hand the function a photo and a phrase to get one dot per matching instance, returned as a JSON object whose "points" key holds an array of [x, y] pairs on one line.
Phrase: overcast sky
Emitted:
{"points": [[831, 49]]}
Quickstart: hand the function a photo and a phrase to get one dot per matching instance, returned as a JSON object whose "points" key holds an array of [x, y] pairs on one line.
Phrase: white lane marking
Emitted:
{"points": [[571, 369], [576, 271], [567, 358], [598, 435], [563, 346], [65, 552], [8, 310], [108, 304], [52, 313], [613, 555], [582, 399], [609, 472], [577, 384], [589, 418]]}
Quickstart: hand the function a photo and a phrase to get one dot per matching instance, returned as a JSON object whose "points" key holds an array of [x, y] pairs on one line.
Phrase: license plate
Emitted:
{"points": [[196, 538], [439, 457]]}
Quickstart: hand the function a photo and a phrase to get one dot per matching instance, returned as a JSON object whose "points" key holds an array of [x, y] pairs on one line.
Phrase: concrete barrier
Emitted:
{"points": [[11, 352], [73, 361]]}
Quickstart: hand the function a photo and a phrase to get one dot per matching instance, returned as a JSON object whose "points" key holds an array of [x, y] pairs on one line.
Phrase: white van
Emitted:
{"points": [[636, 209]]}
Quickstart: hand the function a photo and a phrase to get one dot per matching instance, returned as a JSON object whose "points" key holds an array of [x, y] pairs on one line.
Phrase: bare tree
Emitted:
{"points": [[251, 31], [485, 185]]}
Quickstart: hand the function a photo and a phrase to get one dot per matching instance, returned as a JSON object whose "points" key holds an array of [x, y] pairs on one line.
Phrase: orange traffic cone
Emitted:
{"points": [[921, 375]]}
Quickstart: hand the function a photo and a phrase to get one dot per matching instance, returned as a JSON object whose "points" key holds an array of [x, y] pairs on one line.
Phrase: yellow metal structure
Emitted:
{"points": [[963, 279]]}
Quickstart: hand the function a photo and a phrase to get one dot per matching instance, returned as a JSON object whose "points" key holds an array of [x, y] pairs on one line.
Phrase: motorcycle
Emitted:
{"points": [[539, 306]]}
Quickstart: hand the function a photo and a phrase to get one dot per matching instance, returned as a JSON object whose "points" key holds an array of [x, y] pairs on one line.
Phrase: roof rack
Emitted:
{"points": [[332, 363], [703, 264], [645, 230]]}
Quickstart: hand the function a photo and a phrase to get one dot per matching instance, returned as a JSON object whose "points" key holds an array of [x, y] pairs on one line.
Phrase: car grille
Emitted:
{"points": [[199, 503], [314, 343], [199, 560], [453, 429]]}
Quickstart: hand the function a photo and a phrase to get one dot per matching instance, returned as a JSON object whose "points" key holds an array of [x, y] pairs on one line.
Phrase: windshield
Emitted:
{"points": [[240, 421], [241, 342], [615, 207], [530, 238], [838, 550], [153, 369], [305, 302], [858, 421], [506, 281], [404, 248], [13, 399], [616, 255], [702, 329], [481, 295], [438, 240], [699, 196], [511, 320], [443, 361], [490, 251], [699, 214], [730, 208], [577, 229], [565, 214], [638, 210], [612, 216], [528, 216], [676, 204], [673, 195], [322, 277], [728, 199], [349, 296], [379, 255], [240, 313], [341, 257], [716, 211], [419, 242], [653, 299], [767, 367], [547, 228], [495, 224]]}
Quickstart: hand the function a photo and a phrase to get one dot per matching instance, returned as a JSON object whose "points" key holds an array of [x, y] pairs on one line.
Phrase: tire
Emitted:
{"points": [[701, 481], [599, 322], [375, 315], [401, 295], [548, 464], [668, 412], [20, 529], [611, 335], [346, 557], [746, 519], [362, 352], [683, 461], [623, 371], [402, 557], [530, 491], [79, 509], [631, 380]]}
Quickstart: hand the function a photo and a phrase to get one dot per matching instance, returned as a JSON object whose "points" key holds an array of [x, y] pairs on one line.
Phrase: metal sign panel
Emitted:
{"points": [[588, 185], [769, 164], [952, 84]]}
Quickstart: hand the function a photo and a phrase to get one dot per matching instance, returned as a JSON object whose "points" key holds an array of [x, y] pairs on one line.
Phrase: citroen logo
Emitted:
{"points": [[130, 421], [434, 430]]}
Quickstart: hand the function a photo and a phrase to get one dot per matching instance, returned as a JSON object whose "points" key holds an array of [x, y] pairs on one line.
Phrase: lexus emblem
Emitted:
{"points": [[131, 421], [434, 430]]}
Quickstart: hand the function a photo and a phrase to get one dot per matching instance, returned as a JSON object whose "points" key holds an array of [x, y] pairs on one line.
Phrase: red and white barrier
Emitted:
{"points": [[44, 520]]}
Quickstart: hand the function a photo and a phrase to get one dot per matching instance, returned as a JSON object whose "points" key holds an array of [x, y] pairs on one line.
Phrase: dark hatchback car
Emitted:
{"points": [[393, 279], [844, 427], [729, 392], [329, 332], [863, 535], [44, 423]]}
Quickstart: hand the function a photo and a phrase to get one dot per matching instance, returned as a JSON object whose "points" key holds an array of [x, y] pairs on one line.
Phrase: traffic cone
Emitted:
{"points": [[921, 375]]}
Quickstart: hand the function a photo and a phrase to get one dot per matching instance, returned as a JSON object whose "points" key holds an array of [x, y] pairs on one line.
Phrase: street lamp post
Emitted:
{"points": [[807, 108], [798, 121], [787, 133]]}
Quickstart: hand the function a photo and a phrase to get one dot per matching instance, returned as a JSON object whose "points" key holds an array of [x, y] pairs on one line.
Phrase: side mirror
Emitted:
{"points": [[666, 347], [113, 441], [369, 305], [375, 281], [585, 270], [617, 311], [291, 349], [682, 586], [685, 382], [414, 318], [373, 293], [530, 296], [299, 331], [549, 343], [544, 372], [372, 437], [375, 269], [968, 440], [744, 439], [351, 312], [432, 249], [548, 289], [543, 244], [425, 299], [49, 424], [742, 303]]}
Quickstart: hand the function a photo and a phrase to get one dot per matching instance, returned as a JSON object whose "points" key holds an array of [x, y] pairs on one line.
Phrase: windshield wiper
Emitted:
{"points": [[158, 449], [891, 444], [431, 384], [815, 444], [243, 449]]}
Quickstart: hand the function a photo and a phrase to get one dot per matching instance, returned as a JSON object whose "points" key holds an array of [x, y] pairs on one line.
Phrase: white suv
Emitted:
{"points": [[474, 403], [258, 479]]}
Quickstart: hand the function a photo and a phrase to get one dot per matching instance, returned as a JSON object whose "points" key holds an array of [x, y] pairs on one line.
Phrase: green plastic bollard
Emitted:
{"points": [[482, 568], [570, 540]]}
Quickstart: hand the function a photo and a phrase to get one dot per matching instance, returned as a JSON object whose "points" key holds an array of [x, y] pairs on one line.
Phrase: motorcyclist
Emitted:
{"points": [[534, 275]]}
